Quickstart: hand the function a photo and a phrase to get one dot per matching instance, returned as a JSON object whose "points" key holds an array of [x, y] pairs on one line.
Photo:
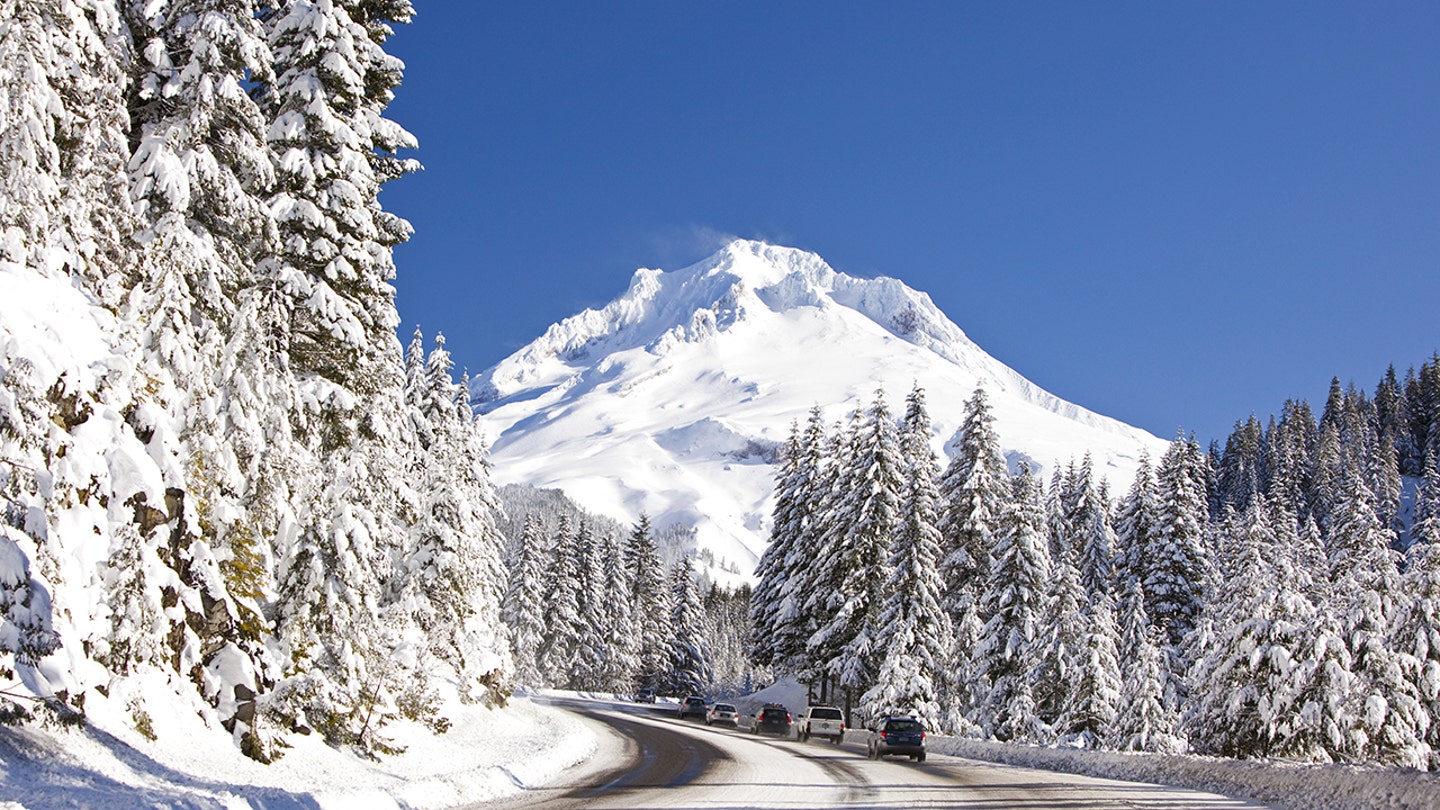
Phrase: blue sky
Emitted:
{"points": [[1175, 214]]}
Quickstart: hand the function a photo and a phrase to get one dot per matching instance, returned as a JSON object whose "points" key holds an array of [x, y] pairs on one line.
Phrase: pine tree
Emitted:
{"points": [[1096, 537], [1418, 635], [1385, 482], [1094, 699], [1059, 642], [1425, 525], [973, 490], [1013, 599], [139, 627], [332, 149], [522, 609], [1239, 474], [1291, 444], [622, 661], [450, 580], [872, 505], [1245, 687], [689, 657], [1389, 721], [562, 619], [650, 605], [63, 137], [590, 668], [827, 597], [1144, 723], [772, 571], [1137, 527], [1178, 559], [914, 630]]}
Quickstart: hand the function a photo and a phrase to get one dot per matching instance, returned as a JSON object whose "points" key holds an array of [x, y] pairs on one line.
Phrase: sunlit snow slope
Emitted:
{"points": [[675, 397]]}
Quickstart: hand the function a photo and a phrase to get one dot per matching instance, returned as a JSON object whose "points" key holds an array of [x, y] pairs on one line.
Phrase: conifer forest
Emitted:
{"points": [[1274, 597], [233, 476]]}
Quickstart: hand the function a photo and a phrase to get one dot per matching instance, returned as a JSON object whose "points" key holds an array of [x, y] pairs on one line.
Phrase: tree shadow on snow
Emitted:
{"points": [[30, 776]]}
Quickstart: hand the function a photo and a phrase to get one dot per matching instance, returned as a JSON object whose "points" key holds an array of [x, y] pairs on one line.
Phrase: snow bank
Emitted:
{"points": [[1278, 784], [487, 754]]}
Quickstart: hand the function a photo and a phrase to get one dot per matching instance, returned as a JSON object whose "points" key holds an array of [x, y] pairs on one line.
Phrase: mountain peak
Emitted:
{"points": [[672, 398], [761, 265]]}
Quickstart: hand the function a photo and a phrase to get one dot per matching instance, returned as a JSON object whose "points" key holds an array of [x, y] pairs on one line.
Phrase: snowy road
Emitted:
{"points": [[649, 759]]}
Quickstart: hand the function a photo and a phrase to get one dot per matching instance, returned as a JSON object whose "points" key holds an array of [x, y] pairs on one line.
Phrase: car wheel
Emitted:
{"points": [[920, 758], [836, 739]]}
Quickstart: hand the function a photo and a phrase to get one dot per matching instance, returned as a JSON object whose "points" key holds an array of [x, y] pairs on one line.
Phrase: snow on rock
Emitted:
{"points": [[673, 398]]}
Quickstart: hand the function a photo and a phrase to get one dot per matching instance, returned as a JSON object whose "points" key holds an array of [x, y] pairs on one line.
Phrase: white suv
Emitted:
{"points": [[821, 721]]}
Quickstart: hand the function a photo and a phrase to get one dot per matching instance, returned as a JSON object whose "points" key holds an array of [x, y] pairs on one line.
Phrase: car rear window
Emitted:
{"points": [[903, 725], [825, 714], [774, 714], [724, 707]]}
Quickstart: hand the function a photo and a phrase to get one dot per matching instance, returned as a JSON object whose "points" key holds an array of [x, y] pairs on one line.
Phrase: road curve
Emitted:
{"points": [[657, 761]]}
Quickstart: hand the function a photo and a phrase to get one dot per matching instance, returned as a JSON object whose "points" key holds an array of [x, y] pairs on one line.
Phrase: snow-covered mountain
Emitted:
{"points": [[674, 398]]}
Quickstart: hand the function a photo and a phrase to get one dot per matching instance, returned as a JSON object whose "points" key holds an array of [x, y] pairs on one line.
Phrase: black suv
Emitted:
{"points": [[773, 719], [897, 735], [692, 706]]}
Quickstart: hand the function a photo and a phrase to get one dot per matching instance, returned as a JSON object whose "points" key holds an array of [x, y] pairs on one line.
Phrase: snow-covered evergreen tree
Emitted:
{"points": [[1144, 722], [523, 609], [1059, 642], [449, 579], [1389, 721], [1094, 536], [689, 657], [1418, 635], [590, 668], [649, 605], [1137, 527], [562, 619], [622, 660], [1244, 688], [794, 619], [1425, 526], [973, 491], [914, 630], [1013, 600], [1094, 697], [1178, 560], [869, 515], [771, 570]]}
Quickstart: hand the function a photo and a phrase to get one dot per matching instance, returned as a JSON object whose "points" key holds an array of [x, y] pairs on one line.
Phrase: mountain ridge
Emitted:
{"points": [[672, 398]]}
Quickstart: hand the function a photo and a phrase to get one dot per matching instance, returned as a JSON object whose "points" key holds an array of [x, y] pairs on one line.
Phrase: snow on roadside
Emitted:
{"points": [[1292, 786], [486, 755], [1279, 784]]}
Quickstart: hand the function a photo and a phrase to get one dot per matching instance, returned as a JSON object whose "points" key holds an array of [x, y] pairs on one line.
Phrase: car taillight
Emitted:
{"points": [[842, 726], [884, 734], [787, 718], [922, 735]]}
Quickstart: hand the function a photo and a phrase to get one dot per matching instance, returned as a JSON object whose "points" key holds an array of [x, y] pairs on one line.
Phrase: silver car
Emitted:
{"points": [[722, 714]]}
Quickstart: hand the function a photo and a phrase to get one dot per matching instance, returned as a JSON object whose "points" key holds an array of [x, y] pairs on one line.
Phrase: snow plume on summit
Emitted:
{"points": [[674, 398]]}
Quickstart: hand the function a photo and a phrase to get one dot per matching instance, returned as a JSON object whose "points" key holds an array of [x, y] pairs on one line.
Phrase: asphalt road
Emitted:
{"points": [[651, 760]]}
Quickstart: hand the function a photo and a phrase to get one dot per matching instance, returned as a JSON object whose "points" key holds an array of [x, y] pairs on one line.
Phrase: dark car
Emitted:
{"points": [[897, 735], [692, 706], [645, 696], [773, 719]]}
